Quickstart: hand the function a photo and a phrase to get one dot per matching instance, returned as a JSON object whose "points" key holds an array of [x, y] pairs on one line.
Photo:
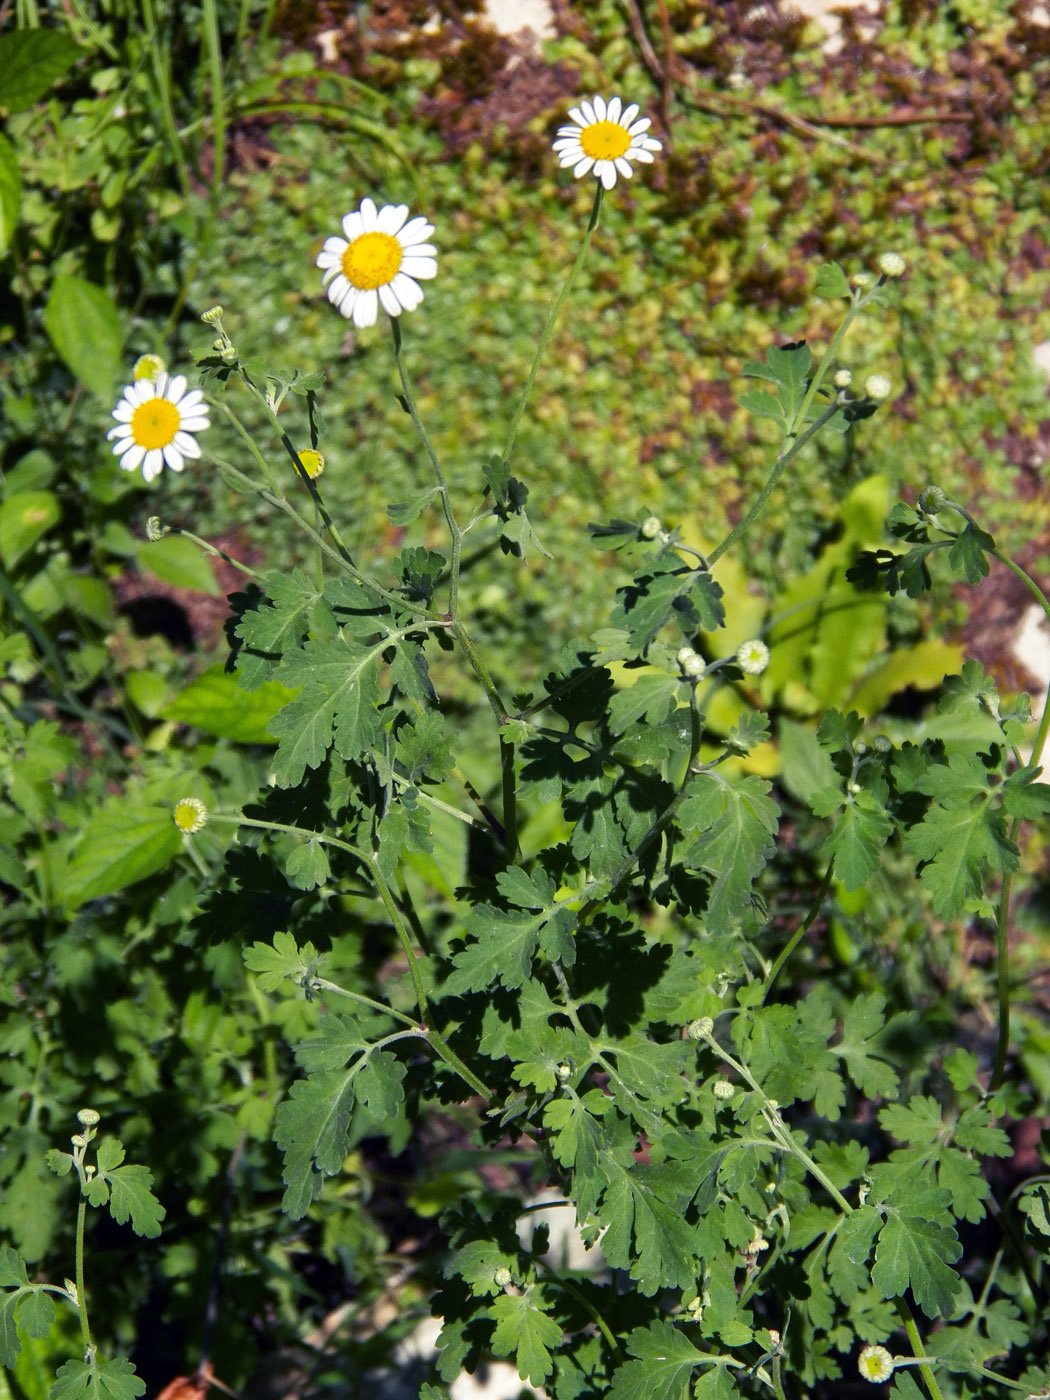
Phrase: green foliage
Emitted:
{"points": [[518, 897]]}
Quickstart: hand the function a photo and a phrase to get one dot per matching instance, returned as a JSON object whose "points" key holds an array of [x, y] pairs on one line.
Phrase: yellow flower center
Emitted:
{"points": [[190, 815], [155, 423], [372, 260], [604, 140]]}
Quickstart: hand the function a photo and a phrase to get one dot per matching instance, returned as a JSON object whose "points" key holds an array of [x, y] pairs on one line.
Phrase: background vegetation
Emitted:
{"points": [[156, 160]]}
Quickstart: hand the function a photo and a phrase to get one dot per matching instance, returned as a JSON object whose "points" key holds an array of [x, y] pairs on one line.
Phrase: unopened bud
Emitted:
{"points": [[842, 378], [878, 386], [722, 1089], [892, 265], [502, 1277], [691, 662], [87, 1117], [700, 1029], [651, 527], [212, 316]]}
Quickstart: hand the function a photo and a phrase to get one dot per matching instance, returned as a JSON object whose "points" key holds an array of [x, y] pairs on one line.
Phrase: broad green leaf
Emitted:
{"points": [[31, 62], [275, 965], [36, 1314], [97, 1380], [307, 866], [337, 706], [862, 1024], [216, 703], [915, 1252], [663, 1368], [734, 823], [805, 764], [645, 1236], [127, 1190], [12, 1268], [10, 192], [522, 1328], [122, 843], [652, 695], [959, 843], [857, 838], [178, 561], [274, 626], [24, 519], [311, 1131], [831, 282], [86, 330]]}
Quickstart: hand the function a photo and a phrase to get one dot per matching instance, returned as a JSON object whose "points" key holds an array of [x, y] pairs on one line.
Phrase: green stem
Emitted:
{"points": [[925, 1369], [800, 933], [455, 533], [567, 1286], [324, 985], [792, 446], [403, 935], [548, 330], [216, 552], [85, 1326]]}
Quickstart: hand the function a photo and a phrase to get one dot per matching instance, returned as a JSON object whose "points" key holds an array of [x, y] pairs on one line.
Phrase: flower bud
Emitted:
{"points": [[842, 378], [892, 265], [752, 657], [691, 662], [87, 1117], [313, 462], [563, 1072], [878, 386], [931, 500], [875, 1364], [154, 529], [651, 527], [148, 367], [190, 815], [502, 1277], [212, 316], [862, 279], [700, 1029], [722, 1089]]}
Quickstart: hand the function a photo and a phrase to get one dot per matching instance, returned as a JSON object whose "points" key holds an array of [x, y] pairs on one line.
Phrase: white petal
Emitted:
{"points": [[353, 225], [583, 167], [636, 128], [589, 116], [391, 217], [408, 292], [628, 114], [123, 413], [369, 215], [599, 108], [614, 109], [568, 143], [191, 402], [391, 305], [194, 425], [417, 230], [153, 465], [140, 392], [187, 444], [578, 116], [132, 458], [417, 267], [345, 303], [366, 308], [335, 273], [173, 456], [606, 173], [646, 157], [176, 388], [624, 169]]}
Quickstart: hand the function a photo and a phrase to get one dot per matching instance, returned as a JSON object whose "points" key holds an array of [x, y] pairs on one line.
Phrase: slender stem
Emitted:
{"points": [[455, 533], [585, 1303], [403, 935], [800, 933], [85, 1326], [319, 836], [548, 330], [217, 553], [925, 1369], [324, 985], [792, 446]]}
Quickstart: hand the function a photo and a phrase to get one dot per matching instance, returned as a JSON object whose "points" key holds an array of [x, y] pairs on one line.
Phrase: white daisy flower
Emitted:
{"points": [[606, 138], [379, 261], [156, 420]]}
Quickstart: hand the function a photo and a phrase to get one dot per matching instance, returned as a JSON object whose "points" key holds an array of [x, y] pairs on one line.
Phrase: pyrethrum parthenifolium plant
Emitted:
{"points": [[104, 1179], [779, 1197]]}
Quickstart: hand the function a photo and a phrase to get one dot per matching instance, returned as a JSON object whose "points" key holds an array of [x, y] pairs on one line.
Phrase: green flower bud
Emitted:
{"points": [[878, 386], [651, 527], [700, 1029], [87, 1117], [842, 378], [502, 1277], [691, 662], [892, 265], [212, 316], [722, 1089]]}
